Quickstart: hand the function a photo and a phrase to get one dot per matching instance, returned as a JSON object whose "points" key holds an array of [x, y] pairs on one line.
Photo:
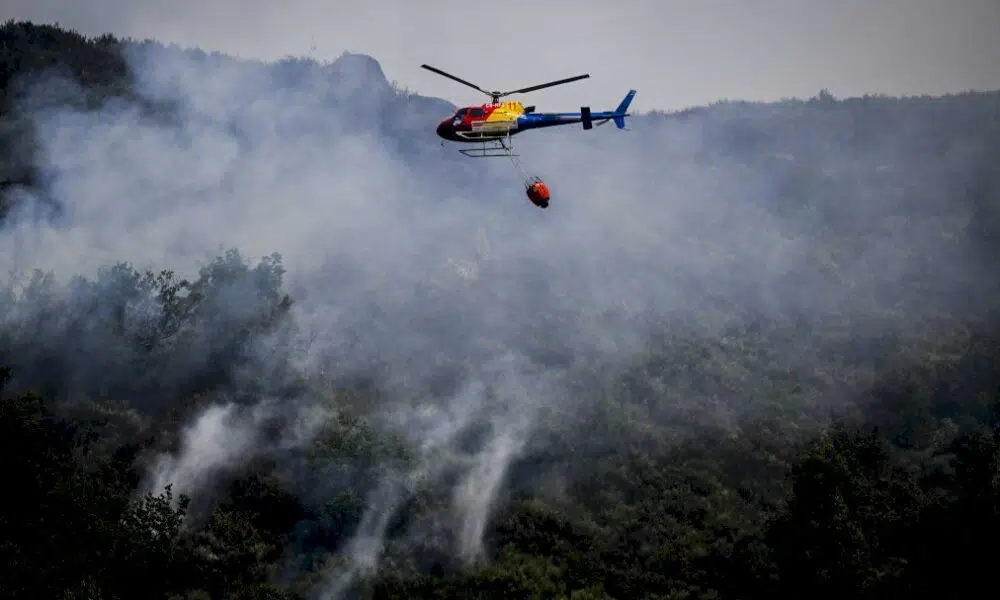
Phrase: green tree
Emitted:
{"points": [[844, 531]]}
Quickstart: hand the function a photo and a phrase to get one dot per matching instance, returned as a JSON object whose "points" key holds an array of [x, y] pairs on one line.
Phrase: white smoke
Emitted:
{"points": [[435, 272]]}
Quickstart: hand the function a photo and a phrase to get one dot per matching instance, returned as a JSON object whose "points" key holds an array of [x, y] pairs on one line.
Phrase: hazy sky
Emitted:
{"points": [[676, 52]]}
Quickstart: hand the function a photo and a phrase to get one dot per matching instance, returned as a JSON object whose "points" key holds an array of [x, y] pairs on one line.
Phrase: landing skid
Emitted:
{"points": [[497, 148]]}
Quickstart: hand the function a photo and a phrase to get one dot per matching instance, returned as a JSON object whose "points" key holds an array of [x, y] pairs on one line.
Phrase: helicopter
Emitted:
{"points": [[493, 125]]}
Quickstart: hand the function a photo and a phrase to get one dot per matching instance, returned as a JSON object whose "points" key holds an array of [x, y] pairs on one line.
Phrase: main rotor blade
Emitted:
{"points": [[452, 77], [545, 85]]}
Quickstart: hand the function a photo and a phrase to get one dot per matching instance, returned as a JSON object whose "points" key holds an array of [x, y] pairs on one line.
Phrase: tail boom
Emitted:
{"points": [[586, 117], [618, 115]]}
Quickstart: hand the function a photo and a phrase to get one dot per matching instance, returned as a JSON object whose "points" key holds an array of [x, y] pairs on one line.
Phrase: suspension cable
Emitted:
{"points": [[520, 168]]}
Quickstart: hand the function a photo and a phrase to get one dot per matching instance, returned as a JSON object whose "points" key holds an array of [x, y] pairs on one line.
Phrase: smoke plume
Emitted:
{"points": [[431, 273]]}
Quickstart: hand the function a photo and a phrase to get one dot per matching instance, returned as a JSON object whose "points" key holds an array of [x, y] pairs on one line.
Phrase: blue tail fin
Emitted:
{"points": [[620, 113]]}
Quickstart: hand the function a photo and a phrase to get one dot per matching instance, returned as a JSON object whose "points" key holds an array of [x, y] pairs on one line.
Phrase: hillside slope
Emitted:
{"points": [[751, 353]]}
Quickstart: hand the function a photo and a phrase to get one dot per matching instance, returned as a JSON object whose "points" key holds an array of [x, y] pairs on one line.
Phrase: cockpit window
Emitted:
{"points": [[461, 113], [477, 112]]}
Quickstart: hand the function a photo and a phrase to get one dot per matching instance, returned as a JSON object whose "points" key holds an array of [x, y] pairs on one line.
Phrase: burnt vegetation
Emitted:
{"points": [[889, 489]]}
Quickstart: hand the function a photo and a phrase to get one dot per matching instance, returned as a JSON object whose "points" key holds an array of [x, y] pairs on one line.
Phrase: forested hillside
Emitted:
{"points": [[764, 363]]}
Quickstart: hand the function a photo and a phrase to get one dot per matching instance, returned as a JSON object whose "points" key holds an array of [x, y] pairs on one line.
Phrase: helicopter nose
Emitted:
{"points": [[444, 129]]}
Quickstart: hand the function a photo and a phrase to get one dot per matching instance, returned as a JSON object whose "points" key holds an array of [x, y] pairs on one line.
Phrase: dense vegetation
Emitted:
{"points": [[894, 494]]}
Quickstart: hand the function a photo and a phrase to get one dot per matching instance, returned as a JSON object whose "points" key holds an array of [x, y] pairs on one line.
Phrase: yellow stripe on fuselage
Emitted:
{"points": [[506, 111]]}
